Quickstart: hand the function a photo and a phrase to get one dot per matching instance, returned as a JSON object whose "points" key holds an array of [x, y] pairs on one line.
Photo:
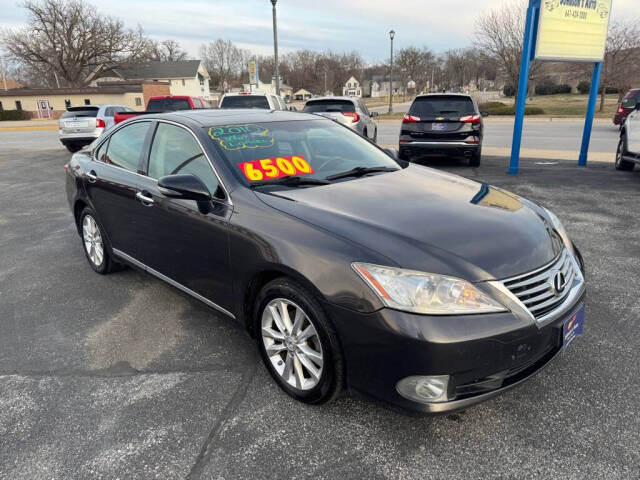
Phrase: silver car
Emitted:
{"points": [[350, 111], [79, 126]]}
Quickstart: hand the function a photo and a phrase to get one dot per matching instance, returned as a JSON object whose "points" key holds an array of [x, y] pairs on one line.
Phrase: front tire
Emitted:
{"points": [[298, 343], [93, 241], [621, 163]]}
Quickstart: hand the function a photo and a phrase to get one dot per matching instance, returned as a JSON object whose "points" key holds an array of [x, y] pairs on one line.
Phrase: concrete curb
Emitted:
{"points": [[26, 129]]}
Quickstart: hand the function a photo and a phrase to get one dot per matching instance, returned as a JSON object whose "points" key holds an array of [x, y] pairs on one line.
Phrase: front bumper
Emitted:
{"points": [[484, 355], [424, 148]]}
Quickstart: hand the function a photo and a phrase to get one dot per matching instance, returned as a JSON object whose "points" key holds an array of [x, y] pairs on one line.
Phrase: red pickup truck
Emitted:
{"points": [[169, 103]]}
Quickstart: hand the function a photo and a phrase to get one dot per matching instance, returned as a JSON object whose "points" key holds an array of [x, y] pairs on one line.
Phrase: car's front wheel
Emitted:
{"points": [[93, 242], [297, 342], [621, 163]]}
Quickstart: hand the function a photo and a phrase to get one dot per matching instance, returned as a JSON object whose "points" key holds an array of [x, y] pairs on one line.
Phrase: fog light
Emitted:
{"points": [[431, 389]]}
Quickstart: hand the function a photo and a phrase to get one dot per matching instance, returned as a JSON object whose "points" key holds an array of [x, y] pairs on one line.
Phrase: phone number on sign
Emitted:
{"points": [[277, 167]]}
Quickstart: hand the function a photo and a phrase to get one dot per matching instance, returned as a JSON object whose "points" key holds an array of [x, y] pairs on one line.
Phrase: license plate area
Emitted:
{"points": [[439, 127], [573, 327], [75, 124]]}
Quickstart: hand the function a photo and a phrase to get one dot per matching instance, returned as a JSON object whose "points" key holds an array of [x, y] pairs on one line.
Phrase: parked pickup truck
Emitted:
{"points": [[169, 103]]}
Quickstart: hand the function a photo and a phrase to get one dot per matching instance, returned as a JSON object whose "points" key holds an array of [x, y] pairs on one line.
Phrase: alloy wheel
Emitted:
{"points": [[92, 240], [292, 344]]}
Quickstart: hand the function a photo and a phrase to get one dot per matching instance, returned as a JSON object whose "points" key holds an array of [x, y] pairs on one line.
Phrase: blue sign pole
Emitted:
{"points": [[523, 85], [591, 110]]}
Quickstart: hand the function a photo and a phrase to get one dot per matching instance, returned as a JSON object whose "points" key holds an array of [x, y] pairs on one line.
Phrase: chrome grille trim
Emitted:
{"points": [[535, 293]]}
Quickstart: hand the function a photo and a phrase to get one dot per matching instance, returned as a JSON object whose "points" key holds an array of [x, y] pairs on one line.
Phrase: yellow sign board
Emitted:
{"points": [[573, 30], [253, 72]]}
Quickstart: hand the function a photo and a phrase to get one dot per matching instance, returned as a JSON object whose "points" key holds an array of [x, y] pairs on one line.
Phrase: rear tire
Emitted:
{"points": [[73, 147], [301, 352], [621, 163], [93, 241], [474, 160]]}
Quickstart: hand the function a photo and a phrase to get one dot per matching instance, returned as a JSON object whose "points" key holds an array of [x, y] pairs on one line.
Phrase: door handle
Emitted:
{"points": [[91, 175], [146, 201]]}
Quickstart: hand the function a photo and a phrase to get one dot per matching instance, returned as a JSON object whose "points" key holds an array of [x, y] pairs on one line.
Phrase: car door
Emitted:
{"points": [[184, 241], [371, 126], [111, 183], [633, 132]]}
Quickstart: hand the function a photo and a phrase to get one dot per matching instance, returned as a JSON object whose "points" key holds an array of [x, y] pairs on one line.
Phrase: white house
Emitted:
{"points": [[185, 77], [286, 91], [352, 88]]}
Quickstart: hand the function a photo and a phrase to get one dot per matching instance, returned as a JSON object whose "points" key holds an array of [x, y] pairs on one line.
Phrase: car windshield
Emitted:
{"points": [[245, 101], [434, 106], [308, 149], [168, 105], [315, 106]]}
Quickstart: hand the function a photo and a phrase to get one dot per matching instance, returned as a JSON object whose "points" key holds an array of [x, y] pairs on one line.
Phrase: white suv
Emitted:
{"points": [[265, 101], [628, 153]]}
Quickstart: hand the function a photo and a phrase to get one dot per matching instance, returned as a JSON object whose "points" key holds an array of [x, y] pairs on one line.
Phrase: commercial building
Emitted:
{"points": [[51, 102], [185, 77]]}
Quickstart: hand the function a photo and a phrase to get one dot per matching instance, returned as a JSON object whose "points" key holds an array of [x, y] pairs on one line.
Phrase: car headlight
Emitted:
{"points": [[426, 293]]}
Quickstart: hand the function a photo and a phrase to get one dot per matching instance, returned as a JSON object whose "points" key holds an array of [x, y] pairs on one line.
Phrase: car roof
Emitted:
{"points": [[215, 117], [248, 94]]}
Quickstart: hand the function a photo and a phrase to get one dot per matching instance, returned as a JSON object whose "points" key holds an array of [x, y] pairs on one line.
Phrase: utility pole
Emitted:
{"points": [[325, 83], [391, 35], [275, 46]]}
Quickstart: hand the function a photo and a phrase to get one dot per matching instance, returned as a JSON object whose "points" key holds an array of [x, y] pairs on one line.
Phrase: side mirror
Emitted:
{"points": [[484, 114], [292, 108], [186, 187], [374, 114], [392, 152]]}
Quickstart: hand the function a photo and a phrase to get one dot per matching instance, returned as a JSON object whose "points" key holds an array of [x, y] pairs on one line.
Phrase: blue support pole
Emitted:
{"points": [[523, 85], [591, 110]]}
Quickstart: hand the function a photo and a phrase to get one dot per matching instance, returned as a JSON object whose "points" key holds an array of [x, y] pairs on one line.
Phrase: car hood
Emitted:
{"points": [[427, 220]]}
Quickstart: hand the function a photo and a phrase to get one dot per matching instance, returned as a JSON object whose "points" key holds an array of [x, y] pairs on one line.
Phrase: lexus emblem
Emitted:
{"points": [[559, 283]]}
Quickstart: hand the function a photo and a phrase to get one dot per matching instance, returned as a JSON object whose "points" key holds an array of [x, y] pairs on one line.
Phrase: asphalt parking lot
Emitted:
{"points": [[121, 376]]}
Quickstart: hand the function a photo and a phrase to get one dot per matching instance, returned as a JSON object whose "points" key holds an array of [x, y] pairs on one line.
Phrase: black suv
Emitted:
{"points": [[442, 124]]}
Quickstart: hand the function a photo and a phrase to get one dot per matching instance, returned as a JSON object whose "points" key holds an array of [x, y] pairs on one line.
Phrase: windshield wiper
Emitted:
{"points": [[290, 181], [360, 171]]}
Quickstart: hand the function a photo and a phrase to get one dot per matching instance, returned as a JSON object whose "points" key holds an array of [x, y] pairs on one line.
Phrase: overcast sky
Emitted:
{"points": [[339, 25]]}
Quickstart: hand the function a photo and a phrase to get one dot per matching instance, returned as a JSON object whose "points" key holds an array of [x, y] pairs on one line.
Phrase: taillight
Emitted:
{"points": [[477, 118], [410, 119], [354, 115], [100, 123], [620, 109]]}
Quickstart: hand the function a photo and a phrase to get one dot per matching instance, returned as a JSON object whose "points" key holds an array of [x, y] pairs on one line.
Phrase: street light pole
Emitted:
{"points": [[275, 46], [391, 35]]}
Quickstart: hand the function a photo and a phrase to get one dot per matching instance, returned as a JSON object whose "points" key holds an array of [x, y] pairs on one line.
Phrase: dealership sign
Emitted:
{"points": [[573, 30], [253, 72]]}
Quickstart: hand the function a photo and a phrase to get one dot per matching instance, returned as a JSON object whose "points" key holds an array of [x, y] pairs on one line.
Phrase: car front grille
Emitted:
{"points": [[545, 289]]}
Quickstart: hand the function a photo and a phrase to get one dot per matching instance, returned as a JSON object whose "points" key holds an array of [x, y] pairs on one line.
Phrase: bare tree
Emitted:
{"points": [[500, 34], [621, 57], [416, 64], [71, 39], [223, 60], [168, 51]]}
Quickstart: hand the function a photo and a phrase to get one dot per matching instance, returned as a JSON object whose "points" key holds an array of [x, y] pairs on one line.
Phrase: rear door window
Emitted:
{"points": [[80, 112], [315, 106], [245, 101], [442, 106], [125, 146], [168, 104]]}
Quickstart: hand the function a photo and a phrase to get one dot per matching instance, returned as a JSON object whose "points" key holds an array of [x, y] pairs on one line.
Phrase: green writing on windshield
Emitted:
{"points": [[237, 137]]}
